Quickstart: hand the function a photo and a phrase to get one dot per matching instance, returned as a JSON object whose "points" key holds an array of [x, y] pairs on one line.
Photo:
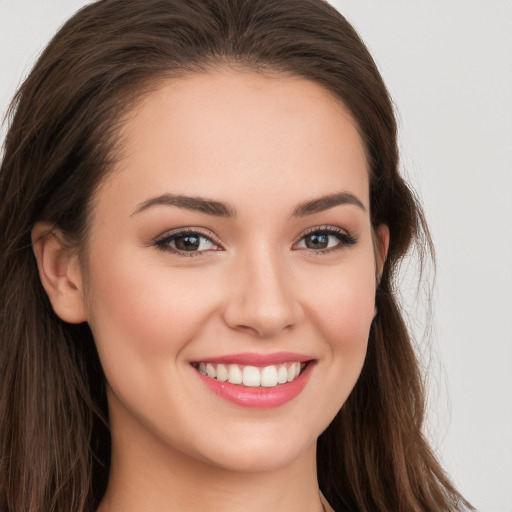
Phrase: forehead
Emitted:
{"points": [[230, 132]]}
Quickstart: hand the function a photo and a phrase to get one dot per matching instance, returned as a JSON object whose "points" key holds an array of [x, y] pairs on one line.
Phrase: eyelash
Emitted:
{"points": [[345, 239], [163, 244]]}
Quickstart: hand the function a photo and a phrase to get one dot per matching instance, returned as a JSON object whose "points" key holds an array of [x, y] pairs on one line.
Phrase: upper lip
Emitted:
{"points": [[255, 359]]}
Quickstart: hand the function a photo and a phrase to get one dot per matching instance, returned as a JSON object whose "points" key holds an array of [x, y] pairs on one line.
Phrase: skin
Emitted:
{"points": [[264, 145]]}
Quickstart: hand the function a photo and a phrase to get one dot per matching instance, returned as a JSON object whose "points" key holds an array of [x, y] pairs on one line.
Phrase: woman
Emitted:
{"points": [[202, 219]]}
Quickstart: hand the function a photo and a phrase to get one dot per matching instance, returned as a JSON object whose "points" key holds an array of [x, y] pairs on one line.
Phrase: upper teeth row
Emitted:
{"points": [[252, 376]]}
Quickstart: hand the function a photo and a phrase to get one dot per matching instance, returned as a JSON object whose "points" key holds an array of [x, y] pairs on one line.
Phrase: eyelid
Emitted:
{"points": [[185, 231], [160, 241], [345, 238], [323, 227]]}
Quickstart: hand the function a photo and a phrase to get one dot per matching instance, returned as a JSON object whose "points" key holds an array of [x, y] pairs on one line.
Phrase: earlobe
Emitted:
{"points": [[59, 272]]}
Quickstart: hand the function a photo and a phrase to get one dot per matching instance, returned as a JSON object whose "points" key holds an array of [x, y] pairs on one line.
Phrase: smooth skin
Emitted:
{"points": [[255, 281]]}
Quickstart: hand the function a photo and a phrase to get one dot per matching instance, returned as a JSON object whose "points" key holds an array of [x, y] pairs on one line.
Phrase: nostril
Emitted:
{"points": [[261, 322]]}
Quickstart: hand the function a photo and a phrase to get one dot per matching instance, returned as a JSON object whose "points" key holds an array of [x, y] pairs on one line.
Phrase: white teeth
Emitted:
{"points": [[222, 373], [210, 371], [234, 374], [269, 377], [293, 371], [282, 374], [252, 376]]}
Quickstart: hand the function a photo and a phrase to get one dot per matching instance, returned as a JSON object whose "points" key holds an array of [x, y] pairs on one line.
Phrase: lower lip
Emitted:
{"points": [[261, 397]]}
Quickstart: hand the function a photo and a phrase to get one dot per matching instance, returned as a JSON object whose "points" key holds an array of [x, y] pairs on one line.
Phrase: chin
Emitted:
{"points": [[260, 447], [253, 457]]}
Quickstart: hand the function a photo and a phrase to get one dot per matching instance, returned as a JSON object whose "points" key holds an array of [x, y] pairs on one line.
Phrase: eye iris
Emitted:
{"points": [[187, 243], [317, 241]]}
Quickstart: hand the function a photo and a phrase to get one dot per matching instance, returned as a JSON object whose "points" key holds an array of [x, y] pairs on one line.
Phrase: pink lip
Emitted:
{"points": [[253, 359], [259, 398]]}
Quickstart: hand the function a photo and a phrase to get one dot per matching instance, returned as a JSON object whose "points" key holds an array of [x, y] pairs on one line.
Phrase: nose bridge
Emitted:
{"points": [[262, 298]]}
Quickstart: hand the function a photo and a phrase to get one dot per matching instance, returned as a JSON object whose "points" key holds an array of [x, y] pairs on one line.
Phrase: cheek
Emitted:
{"points": [[139, 312], [344, 306], [341, 310]]}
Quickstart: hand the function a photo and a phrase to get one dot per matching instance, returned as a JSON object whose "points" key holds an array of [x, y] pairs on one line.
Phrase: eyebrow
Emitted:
{"points": [[219, 209], [325, 202], [198, 204]]}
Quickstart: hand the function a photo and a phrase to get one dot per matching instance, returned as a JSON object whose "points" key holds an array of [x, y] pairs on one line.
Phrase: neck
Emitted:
{"points": [[151, 475]]}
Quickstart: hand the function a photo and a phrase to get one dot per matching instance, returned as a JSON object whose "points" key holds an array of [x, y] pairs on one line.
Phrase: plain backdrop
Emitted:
{"points": [[448, 66]]}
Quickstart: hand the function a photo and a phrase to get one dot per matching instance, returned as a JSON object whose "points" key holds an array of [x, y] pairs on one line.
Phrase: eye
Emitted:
{"points": [[325, 239], [186, 243]]}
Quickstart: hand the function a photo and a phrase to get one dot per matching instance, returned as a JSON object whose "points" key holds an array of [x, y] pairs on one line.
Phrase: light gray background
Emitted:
{"points": [[448, 65]]}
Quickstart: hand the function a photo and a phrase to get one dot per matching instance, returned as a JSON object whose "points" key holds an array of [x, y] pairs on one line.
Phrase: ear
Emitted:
{"points": [[381, 249], [60, 272]]}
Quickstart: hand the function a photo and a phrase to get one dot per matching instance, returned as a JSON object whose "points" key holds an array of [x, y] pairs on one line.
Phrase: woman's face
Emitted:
{"points": [[234, 239]]}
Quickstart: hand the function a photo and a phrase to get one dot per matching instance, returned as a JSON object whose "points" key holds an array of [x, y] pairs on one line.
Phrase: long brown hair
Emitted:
{"points": [[54, 438]]}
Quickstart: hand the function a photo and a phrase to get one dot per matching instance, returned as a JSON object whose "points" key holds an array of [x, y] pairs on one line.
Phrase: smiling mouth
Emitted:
{"points": [[252, 376]]}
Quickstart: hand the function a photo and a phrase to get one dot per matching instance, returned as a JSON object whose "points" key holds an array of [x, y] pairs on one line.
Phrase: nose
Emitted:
{"points": [[261, 297]]}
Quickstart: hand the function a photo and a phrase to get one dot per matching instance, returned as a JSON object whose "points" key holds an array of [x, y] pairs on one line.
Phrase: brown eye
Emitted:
{"points": [[325, 240], [186, 242], [316, 241]]}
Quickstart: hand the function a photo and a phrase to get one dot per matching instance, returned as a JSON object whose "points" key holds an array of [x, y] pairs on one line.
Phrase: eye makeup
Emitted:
{"points": [[322, 240], [189, 242], [192, 242]]}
